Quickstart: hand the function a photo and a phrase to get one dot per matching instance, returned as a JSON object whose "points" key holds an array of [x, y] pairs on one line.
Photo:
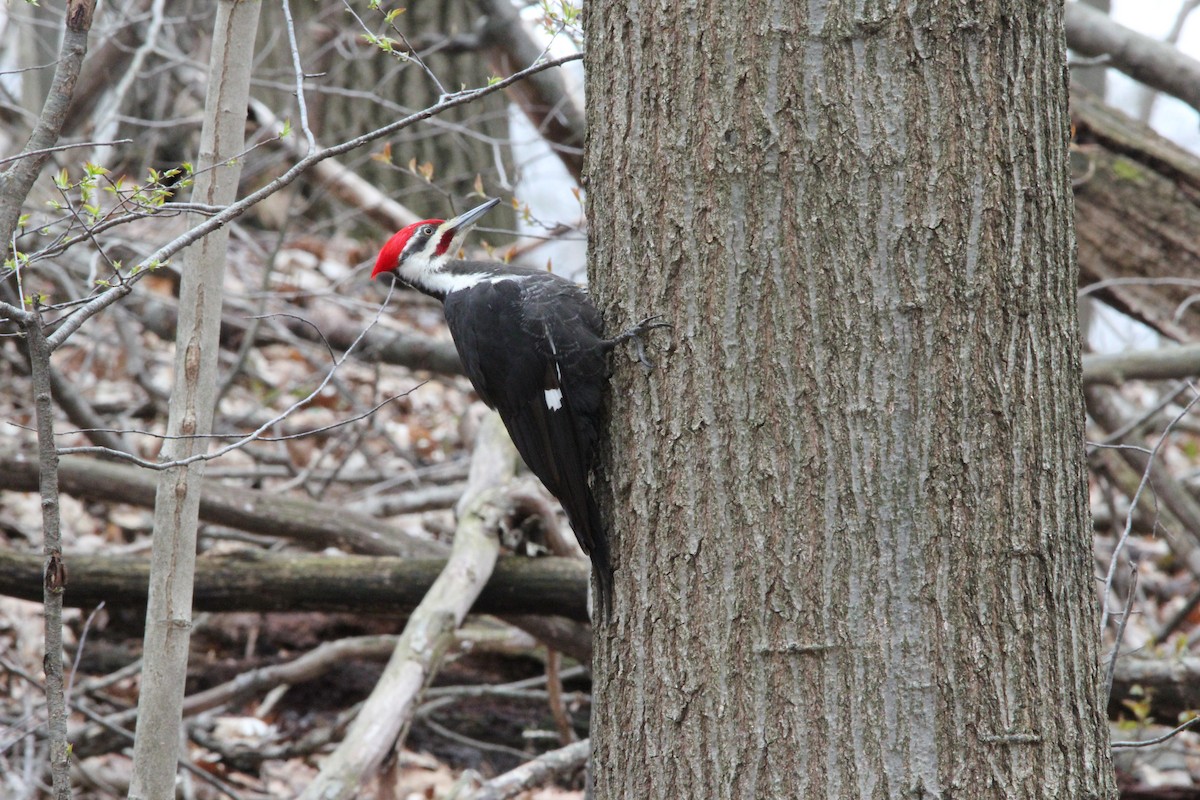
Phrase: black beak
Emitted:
{"points": [[469, 218]]}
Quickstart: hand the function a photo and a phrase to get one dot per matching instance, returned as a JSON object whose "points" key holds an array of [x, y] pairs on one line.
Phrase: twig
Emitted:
{"points": [[443, 696], [1112, 567], [1177, 619], [566, 734], [60, 147], [1116, 651], [105, 120], [1138, 421], [1191, 723], [469, 741], [244, 439], [87, 626], [299, 72], [311, 665]]}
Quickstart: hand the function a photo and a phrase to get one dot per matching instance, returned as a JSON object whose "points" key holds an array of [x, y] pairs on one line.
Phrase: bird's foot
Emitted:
{"points": [[635, 333]]}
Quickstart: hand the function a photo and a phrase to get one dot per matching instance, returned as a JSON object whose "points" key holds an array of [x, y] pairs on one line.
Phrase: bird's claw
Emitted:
{"points": [[635, 333]]}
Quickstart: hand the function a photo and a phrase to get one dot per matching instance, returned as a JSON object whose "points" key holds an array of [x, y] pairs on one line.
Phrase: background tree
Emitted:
{"points": [[850, 508]]}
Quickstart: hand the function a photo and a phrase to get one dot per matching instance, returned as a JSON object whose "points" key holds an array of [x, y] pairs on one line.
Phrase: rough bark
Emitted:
{"points": [[853, 552]]}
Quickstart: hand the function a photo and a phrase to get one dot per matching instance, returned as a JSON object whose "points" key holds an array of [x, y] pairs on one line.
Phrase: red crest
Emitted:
{"points": [[389, 256]]}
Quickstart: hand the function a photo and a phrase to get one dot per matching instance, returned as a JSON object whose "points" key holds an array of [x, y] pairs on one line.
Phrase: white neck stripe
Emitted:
{"points": [[446, 283]]}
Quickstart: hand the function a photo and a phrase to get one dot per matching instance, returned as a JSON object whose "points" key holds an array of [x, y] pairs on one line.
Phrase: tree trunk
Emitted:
{"points": [[849, 508], [194, 396]]}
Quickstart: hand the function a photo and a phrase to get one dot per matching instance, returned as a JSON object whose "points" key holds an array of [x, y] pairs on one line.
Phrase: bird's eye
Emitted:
{"points": [[427, 230]]}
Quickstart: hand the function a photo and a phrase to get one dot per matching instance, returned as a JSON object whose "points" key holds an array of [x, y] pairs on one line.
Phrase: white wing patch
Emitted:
{"points": [[553, 396]]}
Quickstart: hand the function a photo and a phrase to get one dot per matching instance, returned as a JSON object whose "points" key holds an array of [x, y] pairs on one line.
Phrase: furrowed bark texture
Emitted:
{"points": [[849, 507]]}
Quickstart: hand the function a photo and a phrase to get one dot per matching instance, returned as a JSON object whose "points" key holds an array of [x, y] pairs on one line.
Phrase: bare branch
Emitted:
{"points": [[60, 147], [1161, 364], [1146, 471], [299, 72], [386, 715], [1093, 33], [1171, 734], [1116, 651], [17, 180], [200, 456], [532, 774]]}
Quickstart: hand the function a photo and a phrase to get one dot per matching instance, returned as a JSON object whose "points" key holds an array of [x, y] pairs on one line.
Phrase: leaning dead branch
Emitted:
{"points": [[385, 717], [529, 775], [1093, 33]]}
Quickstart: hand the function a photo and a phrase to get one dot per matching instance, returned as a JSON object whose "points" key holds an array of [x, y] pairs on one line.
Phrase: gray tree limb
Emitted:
{"points": [[387, 713], [193, 398], [530, 775], [1161, 364], [292, 581], [1158, 65], [303, 521]]}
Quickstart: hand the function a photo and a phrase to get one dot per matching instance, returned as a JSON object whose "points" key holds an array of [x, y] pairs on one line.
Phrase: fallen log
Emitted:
{"points": [[1137, 218], [258, 581], [303, 521]]}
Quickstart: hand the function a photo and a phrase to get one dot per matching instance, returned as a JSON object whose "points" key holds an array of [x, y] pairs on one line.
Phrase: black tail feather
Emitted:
{"points": [[602, 569]]}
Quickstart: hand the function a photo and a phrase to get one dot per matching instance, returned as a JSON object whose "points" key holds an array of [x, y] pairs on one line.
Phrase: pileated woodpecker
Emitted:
{"points": [[533, 346]]}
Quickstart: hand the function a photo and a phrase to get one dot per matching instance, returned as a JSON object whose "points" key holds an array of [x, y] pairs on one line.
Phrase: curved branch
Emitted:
{"points": [[1159, 66]]}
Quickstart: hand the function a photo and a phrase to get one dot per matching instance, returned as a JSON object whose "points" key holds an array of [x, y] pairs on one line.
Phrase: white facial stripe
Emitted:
{"points": [[554, 399]]}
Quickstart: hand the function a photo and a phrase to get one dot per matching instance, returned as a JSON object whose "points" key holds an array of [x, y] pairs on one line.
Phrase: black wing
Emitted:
{"points": [[533, 350]]}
